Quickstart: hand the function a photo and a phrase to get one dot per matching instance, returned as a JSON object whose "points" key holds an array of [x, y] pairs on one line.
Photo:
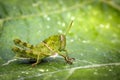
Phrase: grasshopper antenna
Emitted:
{"points": [[69, 27]]}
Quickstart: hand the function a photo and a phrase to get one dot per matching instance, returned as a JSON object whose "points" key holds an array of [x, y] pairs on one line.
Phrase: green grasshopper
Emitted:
{"points": [[48, 47]]}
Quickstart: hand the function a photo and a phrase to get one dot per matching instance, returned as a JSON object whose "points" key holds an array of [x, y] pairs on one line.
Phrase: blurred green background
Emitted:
{"points": [[94, 39]]}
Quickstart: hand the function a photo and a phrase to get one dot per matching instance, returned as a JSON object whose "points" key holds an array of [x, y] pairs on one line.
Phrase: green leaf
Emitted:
{"points": [[94, 39]]}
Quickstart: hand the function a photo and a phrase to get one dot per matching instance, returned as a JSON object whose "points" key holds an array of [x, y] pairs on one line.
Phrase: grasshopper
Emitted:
{"points": [[48, 47]]}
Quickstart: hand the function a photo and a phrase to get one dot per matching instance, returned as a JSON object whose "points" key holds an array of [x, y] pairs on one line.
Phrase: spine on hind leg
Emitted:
{"points": [[22, 52], [20, 43], [16, 49]]}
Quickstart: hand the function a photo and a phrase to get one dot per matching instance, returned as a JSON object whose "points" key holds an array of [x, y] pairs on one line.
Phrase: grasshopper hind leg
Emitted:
{"points": [[20, 43], [24, 54], [19, 52]]}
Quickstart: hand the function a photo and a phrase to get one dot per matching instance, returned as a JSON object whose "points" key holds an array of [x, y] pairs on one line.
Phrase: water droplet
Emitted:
{"points": [[41, 70], [95, 73], [34, 4], [89, 7], [81, 54], [85, 41], [59, 23], [72, 40], [107, 26], [110, 17], [47, 70], [45, 15], [18, 75], [63, 24], [22, 72], [95, 12], [48, 26], [86, 29], [114, 35], [72, 18], [79, 39], [106, 74], [64, 8], [110, 69], [48, 18], [26, 73], [113, 41], [96, 49], [101, 26], [60, 31], [39, 32], [14, 7]]}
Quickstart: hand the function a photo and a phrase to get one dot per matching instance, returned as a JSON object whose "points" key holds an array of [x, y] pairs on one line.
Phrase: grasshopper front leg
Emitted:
{"points": [[67, 58]]}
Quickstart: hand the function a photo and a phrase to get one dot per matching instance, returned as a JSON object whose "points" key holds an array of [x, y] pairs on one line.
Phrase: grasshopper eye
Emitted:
{"points": [[62, 42]]}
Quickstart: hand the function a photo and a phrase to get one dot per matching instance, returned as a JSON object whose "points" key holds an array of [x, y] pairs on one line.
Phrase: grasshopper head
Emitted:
{"points": [[62, 42]]}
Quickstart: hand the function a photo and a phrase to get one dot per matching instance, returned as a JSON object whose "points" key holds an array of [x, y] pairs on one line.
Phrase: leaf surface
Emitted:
{"points": [[94, 39]]}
